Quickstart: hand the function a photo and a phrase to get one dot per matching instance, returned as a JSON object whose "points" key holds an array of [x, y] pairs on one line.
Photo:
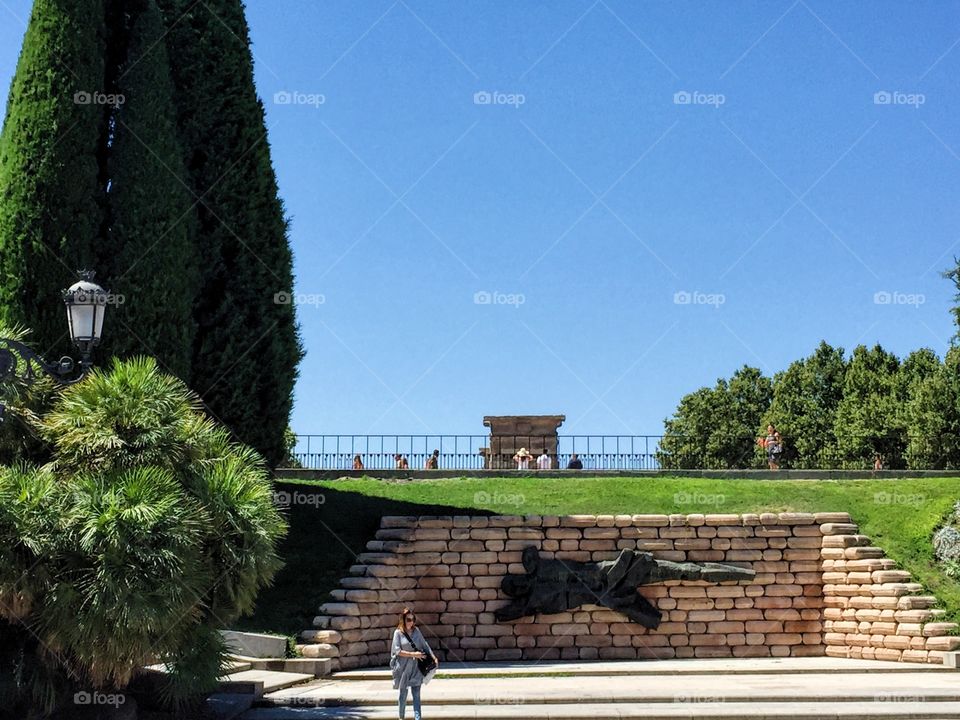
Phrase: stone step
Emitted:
{"points": [[235, 666], [646, 711], [824, 688], [232, 665], [771, 688], [633, 697], [263, 681], [863, 552], [727, 666], [319, 650], [360, 583], [916, 602], [321, 636], [317, 667], [254, 644]]}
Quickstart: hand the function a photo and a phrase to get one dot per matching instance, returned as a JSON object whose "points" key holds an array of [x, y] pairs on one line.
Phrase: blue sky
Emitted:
{"points": [[505, 207]]}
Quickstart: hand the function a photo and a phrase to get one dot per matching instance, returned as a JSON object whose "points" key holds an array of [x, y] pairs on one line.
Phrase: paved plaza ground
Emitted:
{"points": [[791, 688]]}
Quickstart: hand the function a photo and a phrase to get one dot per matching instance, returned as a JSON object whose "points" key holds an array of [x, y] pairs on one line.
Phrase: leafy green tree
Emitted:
{"points": [[954, 276], [247, 347], [51, 151], [804, 405], [867, 422], [715, 427], [933, 417], [148, 531], [914, 370], [686, 436], [750, 393]]}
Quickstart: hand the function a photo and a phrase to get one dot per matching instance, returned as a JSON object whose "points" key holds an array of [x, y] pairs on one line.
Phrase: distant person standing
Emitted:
{"points": [[574, 463], [544, 462], [773, 444], [522, 459], [433, 462]]}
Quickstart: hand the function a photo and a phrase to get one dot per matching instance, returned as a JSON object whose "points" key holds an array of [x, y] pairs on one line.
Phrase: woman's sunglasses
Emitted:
{"points": [[408, 619]]}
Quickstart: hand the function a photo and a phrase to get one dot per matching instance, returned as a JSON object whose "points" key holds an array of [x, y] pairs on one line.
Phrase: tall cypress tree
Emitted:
{"points": [[88, 181], [51, 159], [149, 254], [247, 347], [128, 188]]}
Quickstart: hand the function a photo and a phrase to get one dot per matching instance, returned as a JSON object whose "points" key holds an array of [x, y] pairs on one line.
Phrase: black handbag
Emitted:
{"points": [[425, 664]]}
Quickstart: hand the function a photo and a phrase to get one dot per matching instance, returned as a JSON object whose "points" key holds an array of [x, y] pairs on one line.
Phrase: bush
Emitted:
{"points": [[147, 531], [946, 544]]}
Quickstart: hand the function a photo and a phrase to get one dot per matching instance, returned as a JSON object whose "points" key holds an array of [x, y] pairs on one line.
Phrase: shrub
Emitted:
{"points": [[147, 531], [946, 544]]}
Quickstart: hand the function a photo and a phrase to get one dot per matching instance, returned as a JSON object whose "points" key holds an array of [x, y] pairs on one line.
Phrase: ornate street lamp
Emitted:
{"points": [[86, 303]]}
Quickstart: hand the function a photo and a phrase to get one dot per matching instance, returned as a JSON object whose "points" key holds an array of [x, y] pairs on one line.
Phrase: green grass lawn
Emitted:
{"points": [[331, 521]]}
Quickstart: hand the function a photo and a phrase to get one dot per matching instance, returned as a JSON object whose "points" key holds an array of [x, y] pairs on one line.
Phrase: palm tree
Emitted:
{"points": [[147, 531]]}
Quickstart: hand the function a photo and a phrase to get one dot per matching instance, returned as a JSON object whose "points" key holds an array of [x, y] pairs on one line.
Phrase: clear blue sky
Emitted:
{"points": [[583, 189]]}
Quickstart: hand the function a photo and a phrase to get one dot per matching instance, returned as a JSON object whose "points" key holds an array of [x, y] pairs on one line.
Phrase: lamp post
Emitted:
{"points": [[86, 304]]}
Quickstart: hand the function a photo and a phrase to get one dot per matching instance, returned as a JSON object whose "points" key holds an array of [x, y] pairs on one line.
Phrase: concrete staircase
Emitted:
{"points": [[815, 688], [258, 665]]}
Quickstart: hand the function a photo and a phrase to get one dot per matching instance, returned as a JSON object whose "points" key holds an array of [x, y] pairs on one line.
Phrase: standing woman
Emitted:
{"points": [[774, 445], [407, 648]]}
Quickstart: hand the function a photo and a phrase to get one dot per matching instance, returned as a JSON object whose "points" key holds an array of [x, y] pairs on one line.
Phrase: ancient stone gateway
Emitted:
{"points": [[509, 433], [819, 588]]}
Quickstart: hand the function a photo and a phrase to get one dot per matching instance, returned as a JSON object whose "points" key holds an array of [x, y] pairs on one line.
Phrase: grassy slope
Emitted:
{"points": [[899, 515]]}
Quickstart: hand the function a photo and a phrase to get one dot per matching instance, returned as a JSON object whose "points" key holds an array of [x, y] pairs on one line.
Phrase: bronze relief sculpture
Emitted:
{"points": [[554, 586]]}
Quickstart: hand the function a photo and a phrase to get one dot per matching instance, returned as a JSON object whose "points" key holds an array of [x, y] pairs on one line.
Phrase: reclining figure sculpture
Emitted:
{"points": [[553, 586]]}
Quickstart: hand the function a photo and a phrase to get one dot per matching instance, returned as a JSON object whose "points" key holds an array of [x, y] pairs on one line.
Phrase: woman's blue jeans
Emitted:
{"points": [[415, 689]]}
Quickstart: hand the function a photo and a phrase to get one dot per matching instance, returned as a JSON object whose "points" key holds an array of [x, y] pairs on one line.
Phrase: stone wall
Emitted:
{"points": [[872, 610], [819, 589]]}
